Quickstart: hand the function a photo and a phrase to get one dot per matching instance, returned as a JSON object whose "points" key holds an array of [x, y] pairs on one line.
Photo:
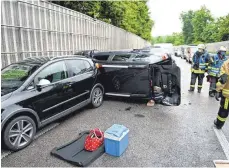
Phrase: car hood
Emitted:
{"points": [[5, 94]]}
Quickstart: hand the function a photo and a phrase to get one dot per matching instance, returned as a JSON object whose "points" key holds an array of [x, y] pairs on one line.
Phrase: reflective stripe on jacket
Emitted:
{"points": [[201, 61], [214, 68], [224, 87]]}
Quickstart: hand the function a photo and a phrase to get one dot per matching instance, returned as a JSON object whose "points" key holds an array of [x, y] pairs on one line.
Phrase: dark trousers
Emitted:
{"points": [[223, 111], [213, 81], [193, 81]]}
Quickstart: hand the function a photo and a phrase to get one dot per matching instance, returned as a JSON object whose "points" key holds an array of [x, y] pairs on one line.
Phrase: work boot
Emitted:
{"points": [[191, 89], [211, 94], [199, 90], [218, 126]]}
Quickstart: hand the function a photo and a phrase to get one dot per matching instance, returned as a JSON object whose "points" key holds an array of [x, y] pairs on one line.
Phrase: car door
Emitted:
{"points": [[49, 100], [80, 83]]}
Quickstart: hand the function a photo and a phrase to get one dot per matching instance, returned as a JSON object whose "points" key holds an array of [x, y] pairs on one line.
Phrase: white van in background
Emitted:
{"points": [[168, 46], [189, 52]]}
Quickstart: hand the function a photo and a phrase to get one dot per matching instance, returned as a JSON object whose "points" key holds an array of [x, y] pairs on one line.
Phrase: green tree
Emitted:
{"points": [[170, 39], [200, 21], [211, 33], [159, 39], [132, 16], [178, 39], [187, 27], [223, 23]]}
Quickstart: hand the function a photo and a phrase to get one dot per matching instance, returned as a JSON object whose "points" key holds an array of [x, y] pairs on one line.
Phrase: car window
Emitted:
{"points": [[54, 72], [101, 57], [78, 67], [14, 76], [121, 57], [142, 56]]}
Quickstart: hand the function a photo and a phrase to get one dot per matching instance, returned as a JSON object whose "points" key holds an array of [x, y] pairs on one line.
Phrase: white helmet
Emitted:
{"points": [[222, 48], [201, 46]]}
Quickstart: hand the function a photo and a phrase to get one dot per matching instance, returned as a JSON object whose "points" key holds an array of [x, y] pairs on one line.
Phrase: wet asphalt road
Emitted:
{"points": [[162, 136]]}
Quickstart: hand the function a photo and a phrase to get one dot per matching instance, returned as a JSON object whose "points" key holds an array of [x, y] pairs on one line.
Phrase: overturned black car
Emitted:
{"points": [[138, 74], [86, 53]]}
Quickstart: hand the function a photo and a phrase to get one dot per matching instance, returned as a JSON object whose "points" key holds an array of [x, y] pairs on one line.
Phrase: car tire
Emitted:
{"points": [[19, 133], [97, 97]]}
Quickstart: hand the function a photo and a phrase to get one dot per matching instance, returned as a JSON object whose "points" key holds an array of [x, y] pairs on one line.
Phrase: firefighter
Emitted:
{"points": [[214, 69], [222, 90], [199, 66]]}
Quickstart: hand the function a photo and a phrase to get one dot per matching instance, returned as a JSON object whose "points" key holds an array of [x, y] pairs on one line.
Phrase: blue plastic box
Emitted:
{"points": [[116, 140]]}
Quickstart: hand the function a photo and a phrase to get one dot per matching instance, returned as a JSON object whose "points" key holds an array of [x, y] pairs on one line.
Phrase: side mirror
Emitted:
{"points": [[42, 83]]}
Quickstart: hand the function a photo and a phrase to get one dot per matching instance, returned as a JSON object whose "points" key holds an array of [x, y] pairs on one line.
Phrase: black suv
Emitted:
{"points": [[39, 90]]}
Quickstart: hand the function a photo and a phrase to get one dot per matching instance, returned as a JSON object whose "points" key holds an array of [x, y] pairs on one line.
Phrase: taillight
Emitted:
{"points": [[97, 65]]}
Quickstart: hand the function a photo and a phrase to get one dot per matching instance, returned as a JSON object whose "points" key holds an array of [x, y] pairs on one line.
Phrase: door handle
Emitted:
{"points": [[69, 84]]}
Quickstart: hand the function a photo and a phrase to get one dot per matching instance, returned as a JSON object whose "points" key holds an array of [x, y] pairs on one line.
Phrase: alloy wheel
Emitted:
{"points": [[97, 96], [21, 133]]}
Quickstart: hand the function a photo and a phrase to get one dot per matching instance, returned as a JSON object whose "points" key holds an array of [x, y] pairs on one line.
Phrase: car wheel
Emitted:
{"points": [[116, 84], [97, 97], [19, 133]]}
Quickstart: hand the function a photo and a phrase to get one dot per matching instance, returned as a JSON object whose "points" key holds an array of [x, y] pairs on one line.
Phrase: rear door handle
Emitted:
{"points": [[69, 84]]}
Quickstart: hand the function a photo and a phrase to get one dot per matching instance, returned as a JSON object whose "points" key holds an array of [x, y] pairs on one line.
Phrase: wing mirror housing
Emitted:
{"points": [[42, 83]]}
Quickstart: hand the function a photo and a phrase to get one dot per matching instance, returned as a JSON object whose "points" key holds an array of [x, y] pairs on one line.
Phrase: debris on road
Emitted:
{"points": [[79, 156], [150, 103], [127, 109], [139, 115], [116, 140]]}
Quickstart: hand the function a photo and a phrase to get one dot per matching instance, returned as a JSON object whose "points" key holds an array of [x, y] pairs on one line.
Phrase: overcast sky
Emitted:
{"points": [[165, 13]]}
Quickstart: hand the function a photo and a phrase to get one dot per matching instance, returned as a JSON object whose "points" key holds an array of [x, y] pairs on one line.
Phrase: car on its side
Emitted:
{"points": [[39, 90], [136, 74], [87, 53], [155, 55]]}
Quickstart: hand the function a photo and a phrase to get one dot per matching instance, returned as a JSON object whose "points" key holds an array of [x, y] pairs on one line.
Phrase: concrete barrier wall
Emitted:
{"points": [[213, 47], [38, 28]]}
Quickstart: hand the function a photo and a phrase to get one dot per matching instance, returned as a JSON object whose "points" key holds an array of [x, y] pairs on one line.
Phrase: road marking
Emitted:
{"points": [[5, 153], [223, 141]]}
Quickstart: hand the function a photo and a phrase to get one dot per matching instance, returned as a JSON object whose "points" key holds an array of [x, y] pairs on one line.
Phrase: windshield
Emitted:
{"points": [[15, 75]]}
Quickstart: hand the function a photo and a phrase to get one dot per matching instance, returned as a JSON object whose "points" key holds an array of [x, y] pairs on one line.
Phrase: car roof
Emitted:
{"points": [[40, 60], [112, 52]]}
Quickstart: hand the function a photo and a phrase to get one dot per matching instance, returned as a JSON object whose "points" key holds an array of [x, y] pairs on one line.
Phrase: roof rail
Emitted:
{"points": [[66, 56]]}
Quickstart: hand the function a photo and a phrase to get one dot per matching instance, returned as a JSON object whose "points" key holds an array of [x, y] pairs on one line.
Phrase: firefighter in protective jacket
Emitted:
{"points": [[199, 66], [222, 88], [214, 69]]}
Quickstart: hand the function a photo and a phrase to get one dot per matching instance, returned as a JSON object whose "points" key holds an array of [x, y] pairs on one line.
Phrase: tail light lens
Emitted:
{"points": [[97, 65]]}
